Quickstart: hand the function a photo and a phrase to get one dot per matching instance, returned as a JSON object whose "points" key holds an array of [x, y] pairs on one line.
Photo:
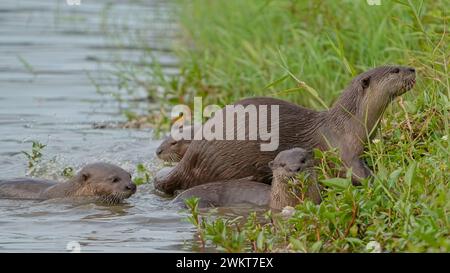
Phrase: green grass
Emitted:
{"points": [[247, 48], [34, 157], [400, 211], [307, 52]]}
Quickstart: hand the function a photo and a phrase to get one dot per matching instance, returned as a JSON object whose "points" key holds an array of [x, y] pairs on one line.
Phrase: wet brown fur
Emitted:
{"points": [[108, 182], [286, 166]]}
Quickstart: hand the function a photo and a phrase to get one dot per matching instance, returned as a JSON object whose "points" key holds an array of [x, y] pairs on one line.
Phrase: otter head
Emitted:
{"points": [[391, 81], [172, 150], [110, 183], [287, 164], [369, 93]]}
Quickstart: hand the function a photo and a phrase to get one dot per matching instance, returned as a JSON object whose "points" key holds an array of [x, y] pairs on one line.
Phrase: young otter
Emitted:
{"points": [[286, 166], [172, 150], [110, 183], [347, 126]]}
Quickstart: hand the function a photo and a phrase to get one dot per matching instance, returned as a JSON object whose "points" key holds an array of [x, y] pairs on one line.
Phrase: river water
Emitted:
{"points": [[47, 50]]}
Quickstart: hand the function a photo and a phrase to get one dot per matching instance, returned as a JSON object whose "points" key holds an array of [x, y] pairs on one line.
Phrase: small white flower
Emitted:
{"points": [[444, 137], [376, 140], [287, 211], [373, 247]]}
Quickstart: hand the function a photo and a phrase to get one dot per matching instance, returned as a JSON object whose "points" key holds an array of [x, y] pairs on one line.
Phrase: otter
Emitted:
{"points": [[285, 167], [108, 183], [172, 150], [347, 126]]}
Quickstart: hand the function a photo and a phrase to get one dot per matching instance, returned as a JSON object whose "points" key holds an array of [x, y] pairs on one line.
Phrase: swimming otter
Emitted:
{"points": [[286, 166], [110, 183], [347, 126]]}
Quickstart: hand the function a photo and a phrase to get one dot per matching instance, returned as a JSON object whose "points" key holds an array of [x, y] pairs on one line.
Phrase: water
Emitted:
{"points": [[46, 50]]}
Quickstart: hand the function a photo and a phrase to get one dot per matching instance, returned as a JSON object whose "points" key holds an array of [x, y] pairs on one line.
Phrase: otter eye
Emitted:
{"points": [[303, 161], [283, 165], [116, 179], [365, 82], [173, 143], [396, 70]]}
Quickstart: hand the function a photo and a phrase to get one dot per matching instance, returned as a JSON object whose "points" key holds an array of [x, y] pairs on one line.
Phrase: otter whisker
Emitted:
{"points": [[113, 199], [172, 158], [177, 157]]}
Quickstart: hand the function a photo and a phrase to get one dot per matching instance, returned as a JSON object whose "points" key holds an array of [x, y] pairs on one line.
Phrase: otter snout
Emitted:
{"points": [[158, 151], [409, 78], [410, 72], [296, 169], [131, 187]]}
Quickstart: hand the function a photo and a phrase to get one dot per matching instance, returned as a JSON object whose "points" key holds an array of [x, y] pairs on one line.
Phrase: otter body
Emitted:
{"points": [[108, 182], [228, 193], [286, 166], [24, 188], [346, 126]]}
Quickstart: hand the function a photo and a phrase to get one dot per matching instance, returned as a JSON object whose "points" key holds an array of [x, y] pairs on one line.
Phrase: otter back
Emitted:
{"points": [[229, 193], [24, 188], [219, 160]]}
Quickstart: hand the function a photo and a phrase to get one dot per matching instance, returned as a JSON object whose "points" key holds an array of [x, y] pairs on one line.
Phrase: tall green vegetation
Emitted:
{"points": [[398, 211], [34, 157]]}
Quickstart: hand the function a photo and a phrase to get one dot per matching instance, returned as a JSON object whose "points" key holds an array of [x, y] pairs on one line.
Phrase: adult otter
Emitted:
{"points": [[107, 182], [347, 126], [286, 166]]}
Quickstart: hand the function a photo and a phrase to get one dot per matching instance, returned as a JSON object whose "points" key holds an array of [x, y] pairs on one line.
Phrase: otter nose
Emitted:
{"points": [[296, 169], [131, 187], [411, 69], [158, 151]]}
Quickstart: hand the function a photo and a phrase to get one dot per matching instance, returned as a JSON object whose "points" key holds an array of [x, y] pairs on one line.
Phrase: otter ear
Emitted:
{"points": [[271, 164], [84, 177], [365, 82]]}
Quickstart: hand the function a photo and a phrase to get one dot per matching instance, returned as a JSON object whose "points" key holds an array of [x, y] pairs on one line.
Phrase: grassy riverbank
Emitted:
{"points": [[307, 52]]}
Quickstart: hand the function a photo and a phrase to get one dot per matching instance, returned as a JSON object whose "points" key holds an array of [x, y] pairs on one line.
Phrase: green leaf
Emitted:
{"points": [[138, 181], [141, 168], [354, 241], [410, 173], [260, 240], [316, 246], [393, 177], [337, 182], [409, 176], [296, 244], [277, 81]]}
